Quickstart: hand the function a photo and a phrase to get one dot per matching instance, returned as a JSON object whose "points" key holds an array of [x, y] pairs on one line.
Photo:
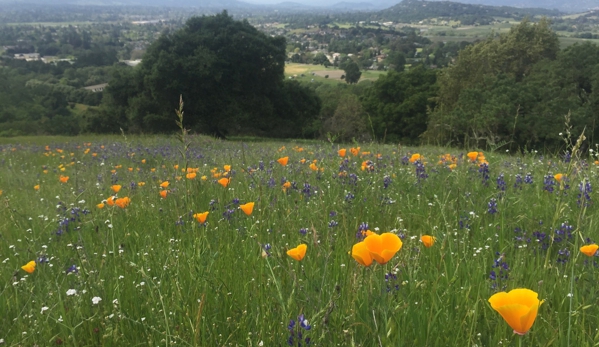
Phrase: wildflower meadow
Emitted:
{"points": [[192, 241]]}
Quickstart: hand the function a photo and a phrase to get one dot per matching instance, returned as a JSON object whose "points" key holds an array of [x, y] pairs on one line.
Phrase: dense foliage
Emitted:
{"points": [[517, 90], [229, 74]]}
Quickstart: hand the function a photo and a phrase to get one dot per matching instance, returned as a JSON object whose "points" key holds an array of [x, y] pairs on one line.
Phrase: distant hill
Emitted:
{"points": [[562, 5], [416, 10]]}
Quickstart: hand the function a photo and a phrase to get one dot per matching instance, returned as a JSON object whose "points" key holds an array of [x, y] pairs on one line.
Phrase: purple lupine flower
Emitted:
{"points": [[549, 183], [528, 178], [420, 171], [519, 181], [584, 197], [501, 185], [386, 181], [349, 197], [483, 169], [303, 231], [492, 206], [563, 255], [563, 232]]}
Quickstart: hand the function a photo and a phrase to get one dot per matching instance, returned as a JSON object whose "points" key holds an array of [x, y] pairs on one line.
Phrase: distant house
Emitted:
{"points": [[28, 56], [98, 88], [132, 62]]}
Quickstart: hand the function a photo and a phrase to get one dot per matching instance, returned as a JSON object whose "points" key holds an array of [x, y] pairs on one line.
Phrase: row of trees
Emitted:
{"points": [[512, 91]]}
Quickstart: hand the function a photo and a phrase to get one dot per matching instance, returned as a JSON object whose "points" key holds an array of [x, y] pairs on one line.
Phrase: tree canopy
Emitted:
{"points": [[229, 74]]}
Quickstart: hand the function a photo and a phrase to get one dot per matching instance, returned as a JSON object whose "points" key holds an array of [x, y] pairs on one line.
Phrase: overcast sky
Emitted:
{"points": [[305, 2]]}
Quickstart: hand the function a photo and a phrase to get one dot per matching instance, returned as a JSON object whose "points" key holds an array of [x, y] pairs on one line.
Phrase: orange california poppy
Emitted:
{"points": [[227, 168], [164, 184], [286, 185], [122, 202], [163, 193], [141, 184], [342, 152], [415, 157], [191, 175], [247, 208], [589, 250], [427, 240], [472, 156], [313, 167], [355, 151], [383, 247], [29, 267], [110, 200], [36, 187], [224, 182], [298, 252], [63, 179], [559, 177], [100, 205], [518, 307], [116, 188], [283, 161], [361, 254], [201, 217]]}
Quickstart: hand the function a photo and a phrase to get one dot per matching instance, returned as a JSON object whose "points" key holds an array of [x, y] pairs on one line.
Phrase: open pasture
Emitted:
{"points": [[179, 257]]}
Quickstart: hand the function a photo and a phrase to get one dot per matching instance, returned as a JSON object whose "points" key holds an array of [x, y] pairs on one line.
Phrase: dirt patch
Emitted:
{"points": [[297, 69], [333, 74]]}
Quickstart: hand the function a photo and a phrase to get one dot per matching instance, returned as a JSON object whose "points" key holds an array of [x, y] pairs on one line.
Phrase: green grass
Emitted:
{"points": [[164, 279], [294, 69]]}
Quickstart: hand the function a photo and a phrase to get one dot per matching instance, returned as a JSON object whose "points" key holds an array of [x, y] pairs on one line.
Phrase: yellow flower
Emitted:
{"points": [[283, 161], [518, 308], [141, 184], [361, 254], [29, 267], [100, 205], [247, 208], [298, 252], [383, 247], [227, 168], [589, 250], [313, 167], [203, 178], [116, 188], [164, 184], [427, 240], [201, 217], [36, 187], [191, 175]]}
